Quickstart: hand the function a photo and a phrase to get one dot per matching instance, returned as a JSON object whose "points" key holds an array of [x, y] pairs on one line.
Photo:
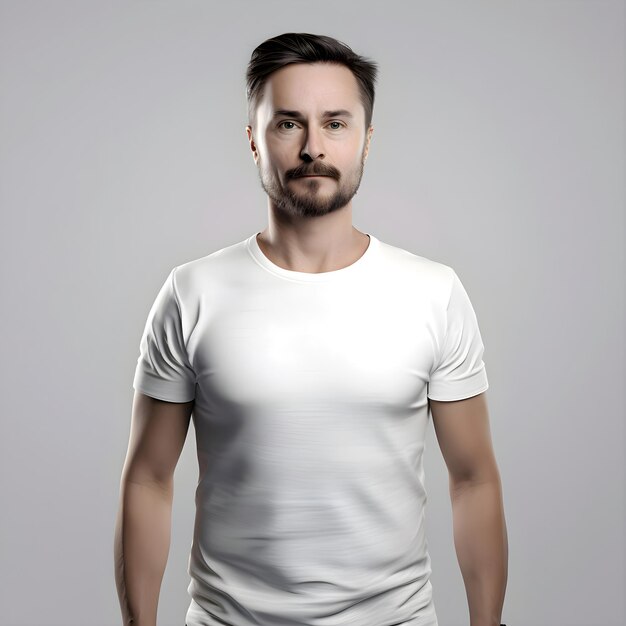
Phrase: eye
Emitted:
{"points": [[285, 122], [336, 127]]}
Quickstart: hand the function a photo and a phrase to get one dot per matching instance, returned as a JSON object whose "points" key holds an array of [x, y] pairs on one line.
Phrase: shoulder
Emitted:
{"points": [[217, 268], [419, 271]]}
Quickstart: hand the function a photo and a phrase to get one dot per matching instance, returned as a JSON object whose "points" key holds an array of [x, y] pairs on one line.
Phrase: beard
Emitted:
{"points": [[310, 200]]}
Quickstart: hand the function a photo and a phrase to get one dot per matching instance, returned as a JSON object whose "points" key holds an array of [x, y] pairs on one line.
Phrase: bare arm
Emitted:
{"points": [[480, 536], [143, 525]]}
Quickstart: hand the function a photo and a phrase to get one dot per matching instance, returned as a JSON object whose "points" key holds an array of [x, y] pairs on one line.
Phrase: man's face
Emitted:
{"points": [[310, 121]]}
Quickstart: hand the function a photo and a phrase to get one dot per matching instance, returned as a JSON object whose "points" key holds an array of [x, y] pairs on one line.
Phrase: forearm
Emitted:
{"points": [[142, 542], [481, 543]]}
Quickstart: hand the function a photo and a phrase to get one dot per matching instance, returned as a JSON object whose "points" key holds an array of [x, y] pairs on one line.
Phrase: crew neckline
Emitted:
{"points": [[252, 246]]}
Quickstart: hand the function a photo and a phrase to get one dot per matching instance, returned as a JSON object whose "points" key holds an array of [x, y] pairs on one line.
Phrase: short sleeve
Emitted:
{"points": [[163, 369], [459, 371]]}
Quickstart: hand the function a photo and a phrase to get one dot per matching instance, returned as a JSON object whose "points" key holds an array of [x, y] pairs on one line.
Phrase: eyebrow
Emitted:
{"points": [[299, 116]]}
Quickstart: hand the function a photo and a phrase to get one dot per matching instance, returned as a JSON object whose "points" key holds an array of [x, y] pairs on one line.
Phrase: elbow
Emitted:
{"points": [[486, 473]]}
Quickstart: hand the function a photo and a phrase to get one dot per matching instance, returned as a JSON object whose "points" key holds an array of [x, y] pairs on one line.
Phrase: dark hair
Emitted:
{"points": [[288, 48]]}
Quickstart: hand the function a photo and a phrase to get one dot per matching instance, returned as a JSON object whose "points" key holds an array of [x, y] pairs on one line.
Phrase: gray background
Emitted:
{"points": [[498, 149]]}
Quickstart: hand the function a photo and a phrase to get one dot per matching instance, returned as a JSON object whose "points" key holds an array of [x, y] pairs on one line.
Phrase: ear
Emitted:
{"points": [[253, 146], [368, 139]]}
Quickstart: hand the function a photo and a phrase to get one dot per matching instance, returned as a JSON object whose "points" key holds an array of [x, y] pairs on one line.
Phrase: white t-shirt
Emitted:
{"points": [[311, 406]]}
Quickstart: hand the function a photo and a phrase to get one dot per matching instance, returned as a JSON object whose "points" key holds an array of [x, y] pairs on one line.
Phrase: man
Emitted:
{"points": [[310, 355]]}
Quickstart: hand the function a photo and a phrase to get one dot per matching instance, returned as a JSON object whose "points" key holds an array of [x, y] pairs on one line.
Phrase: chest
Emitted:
{"points": [[312, 347]]}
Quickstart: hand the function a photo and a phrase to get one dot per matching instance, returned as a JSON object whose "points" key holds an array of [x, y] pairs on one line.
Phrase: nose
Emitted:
{"points": [[312, 148]]}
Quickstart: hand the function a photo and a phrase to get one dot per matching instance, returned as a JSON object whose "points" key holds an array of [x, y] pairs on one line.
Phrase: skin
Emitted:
{"points": [[479, 526], [310, 230], [144, 518], [310, 219]]}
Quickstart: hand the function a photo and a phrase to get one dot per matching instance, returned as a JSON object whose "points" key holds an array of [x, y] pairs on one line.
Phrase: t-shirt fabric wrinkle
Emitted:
{"points": [[311, 403]]}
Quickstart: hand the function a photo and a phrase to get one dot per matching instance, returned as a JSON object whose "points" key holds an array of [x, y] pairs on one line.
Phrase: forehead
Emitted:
{"points": [[311, 87]]}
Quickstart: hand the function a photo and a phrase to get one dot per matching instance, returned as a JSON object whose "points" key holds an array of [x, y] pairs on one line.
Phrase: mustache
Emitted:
{"points": [[315, 170]]}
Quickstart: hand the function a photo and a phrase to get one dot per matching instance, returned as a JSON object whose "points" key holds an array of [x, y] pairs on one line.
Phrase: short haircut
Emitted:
{"points": [[288, 48]]}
